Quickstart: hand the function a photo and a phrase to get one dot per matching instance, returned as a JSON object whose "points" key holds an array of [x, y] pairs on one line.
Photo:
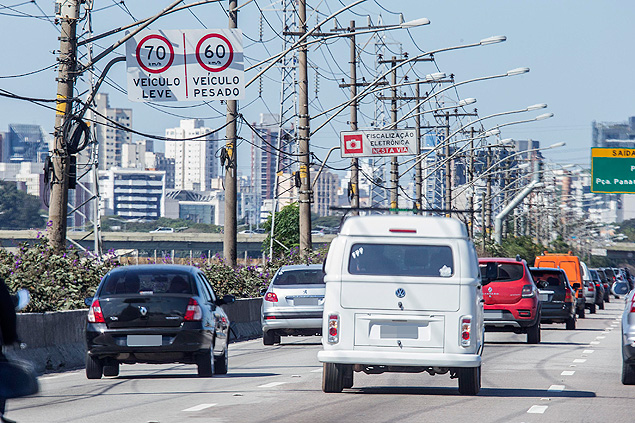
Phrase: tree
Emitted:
{"points": [[19, 210], [285, 232]]}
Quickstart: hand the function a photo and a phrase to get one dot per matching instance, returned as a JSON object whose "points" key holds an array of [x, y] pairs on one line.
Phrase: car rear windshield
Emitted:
{"points": [[299, 277], [401, 260], [147, 282], [548, 279], [507, 272]]}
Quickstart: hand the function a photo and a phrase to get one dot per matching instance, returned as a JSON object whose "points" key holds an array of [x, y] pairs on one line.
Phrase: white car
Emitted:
{"points": [[628, 340], [162, 230], [403, 294]]}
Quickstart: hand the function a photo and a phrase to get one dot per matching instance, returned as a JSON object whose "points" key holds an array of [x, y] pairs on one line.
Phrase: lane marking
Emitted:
{"points": [[568, 373], [556, 388], [600, 337], [199, 407], [55, 377], [588, 351], [272, 384], [317, 371], [579, 360], [594, 342], [538, 409]]}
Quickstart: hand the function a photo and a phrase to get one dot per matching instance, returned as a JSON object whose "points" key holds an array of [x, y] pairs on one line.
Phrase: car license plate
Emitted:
{"points": [[399, 331], [144, 340], [543, 297], [493, 314], [303, 301]]}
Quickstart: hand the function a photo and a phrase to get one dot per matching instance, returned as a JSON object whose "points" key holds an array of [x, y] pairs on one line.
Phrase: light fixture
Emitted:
{"points": [[544, 116], [416, 22], [493, 40], [435, 76], [517, 71], [467, 101], [536, 107]]}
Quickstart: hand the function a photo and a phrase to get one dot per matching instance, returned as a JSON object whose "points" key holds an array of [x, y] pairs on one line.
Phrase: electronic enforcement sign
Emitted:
{"points": [[613, 170], [185, 65]]}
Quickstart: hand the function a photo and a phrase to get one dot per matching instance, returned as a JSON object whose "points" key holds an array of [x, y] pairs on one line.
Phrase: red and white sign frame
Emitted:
{"points": [[381, 143]]}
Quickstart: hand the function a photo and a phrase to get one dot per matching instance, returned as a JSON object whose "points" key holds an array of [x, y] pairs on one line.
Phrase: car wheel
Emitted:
{"points": [[221, 363], [533, 333], [332, 378], [602, 305], [607, 299], [469, 380], [628, 374], [205, 363], [581, 313], [347, 377], [111, 370], [94, 367], [570, 323], [592, 309], [270, 338]]}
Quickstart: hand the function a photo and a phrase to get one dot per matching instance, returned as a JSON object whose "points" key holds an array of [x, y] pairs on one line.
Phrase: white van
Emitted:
{"points": [[403, 294]]}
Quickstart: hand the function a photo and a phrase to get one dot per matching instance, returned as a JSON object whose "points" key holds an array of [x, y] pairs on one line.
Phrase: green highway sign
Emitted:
{"points": [[613, 170]]}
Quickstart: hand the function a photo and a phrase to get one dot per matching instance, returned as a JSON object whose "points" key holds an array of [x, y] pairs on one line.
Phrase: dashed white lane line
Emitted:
{"points": [[600, 337], [556, 388], [272, 384], [317, 370], [579, 360], [537, 409], [594, 342], [199, 407], [587, 351], [568, 373]]}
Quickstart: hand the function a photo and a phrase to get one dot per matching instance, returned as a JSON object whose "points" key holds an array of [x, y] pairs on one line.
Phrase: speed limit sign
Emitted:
{"points": [[185, 65]]}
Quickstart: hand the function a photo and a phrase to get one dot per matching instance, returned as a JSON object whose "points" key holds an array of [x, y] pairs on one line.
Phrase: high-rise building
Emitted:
{"points": [[25, 143], [194, 157], [613, 135], [110, 130], [132, 193], [325, 193]]}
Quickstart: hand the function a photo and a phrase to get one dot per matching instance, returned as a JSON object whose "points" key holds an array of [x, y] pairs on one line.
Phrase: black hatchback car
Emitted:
{"points": [[556, 295], [156, 314]]}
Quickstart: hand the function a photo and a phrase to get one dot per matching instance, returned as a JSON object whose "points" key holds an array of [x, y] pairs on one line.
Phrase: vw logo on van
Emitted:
{"points": [[400, 293]]}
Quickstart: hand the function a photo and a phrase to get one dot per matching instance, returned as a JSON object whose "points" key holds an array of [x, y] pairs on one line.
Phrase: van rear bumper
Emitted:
{"points": [[380, 358]]}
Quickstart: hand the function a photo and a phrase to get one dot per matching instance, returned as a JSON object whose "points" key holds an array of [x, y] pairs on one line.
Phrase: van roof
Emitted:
{"points": [[404, 226]]}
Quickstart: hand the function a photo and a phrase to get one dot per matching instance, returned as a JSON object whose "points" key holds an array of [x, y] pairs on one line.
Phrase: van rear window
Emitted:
{"points": [[401, 260]]}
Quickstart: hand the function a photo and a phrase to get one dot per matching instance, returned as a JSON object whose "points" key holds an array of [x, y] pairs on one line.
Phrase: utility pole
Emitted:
{"points": [[418, 167], [394, 164], [447, 204], [488, 197], [354, 160], [68, 13], [303, 138], [231, 186], [470, 173]]}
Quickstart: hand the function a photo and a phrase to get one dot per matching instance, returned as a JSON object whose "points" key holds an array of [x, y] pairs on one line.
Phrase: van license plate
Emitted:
{"points": [[144, 340], [301, 301], [399, 332]]}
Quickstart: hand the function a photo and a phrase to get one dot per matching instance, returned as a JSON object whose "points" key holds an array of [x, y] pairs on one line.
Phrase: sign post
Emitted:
{"points": [[613, 170], [185, 65]]}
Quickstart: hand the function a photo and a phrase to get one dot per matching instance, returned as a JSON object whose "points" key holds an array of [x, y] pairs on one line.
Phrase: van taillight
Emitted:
{"points": [[271, 297], [528, 291], [94, 314], [466, 329], [334, 329], [193, 313]]}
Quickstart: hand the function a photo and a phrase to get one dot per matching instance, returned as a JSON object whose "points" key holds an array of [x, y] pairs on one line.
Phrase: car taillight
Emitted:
{"points": [[334, 329], [633, 305], [466, 330], [591, 287], [193, 313], [568, 298], [94, 314], [528, 291], [271, 297]]}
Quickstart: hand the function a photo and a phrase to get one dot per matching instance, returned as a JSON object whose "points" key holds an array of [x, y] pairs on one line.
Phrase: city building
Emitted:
{"points": [[25, 143], [194, 155], [110, 131], [132, 193], [325, 192], [613, 135], [198, 207]]}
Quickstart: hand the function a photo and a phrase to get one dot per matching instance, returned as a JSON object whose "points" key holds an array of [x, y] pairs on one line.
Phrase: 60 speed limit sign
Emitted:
{"points": [[185, 65]]}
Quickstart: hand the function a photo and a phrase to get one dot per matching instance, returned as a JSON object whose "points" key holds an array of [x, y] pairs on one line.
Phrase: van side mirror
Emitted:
{"points": [[576, 286]]}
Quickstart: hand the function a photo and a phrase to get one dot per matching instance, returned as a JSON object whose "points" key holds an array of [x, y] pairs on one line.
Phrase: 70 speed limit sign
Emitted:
{"points": [[185, 65]]}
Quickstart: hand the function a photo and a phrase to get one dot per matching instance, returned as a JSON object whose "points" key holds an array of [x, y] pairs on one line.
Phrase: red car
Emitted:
{"points": [[511, 297]]}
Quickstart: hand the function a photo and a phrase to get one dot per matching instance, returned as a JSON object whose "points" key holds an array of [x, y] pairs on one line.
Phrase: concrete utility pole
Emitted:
{"points": [[354, 160], [418, 167], [470, 174], [303, 138], [394, 164], [488, 196], [67, 63], [447, 204], [231, 186]]}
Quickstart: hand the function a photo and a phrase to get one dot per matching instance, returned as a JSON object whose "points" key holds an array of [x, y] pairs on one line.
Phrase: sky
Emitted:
{"points": [[578, 52]]}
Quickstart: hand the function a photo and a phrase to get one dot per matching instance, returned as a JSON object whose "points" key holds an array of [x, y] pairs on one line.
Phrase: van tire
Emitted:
{"points": [[469, 380], [332, 378], [628, 374], [533, 333], [94, 367], [347, 376], [570, 323]]}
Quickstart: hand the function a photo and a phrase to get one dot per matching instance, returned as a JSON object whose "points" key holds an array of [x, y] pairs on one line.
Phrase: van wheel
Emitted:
{"points": [[347, 377], [469, 380], [94, 367], [205, 364], [111, 369], [332, 378], [533, 333], [570, 323], [592, 309], [628, 374]]}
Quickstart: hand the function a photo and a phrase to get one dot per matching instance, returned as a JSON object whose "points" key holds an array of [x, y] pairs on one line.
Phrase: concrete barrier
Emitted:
{"points": [[56, 341]]}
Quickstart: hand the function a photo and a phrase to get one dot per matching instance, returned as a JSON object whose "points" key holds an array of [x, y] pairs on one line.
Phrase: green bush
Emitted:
{"points": [[62, 281]]}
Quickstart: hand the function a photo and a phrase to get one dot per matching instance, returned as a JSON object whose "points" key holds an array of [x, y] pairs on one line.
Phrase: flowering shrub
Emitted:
{"points": [[62, 281]]}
